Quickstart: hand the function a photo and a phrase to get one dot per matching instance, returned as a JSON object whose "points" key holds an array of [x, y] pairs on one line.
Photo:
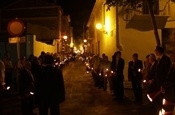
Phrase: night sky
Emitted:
{"points": [[79, 11]]}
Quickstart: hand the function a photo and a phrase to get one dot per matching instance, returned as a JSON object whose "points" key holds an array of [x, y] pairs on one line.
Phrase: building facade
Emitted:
{"points": [[44, 23], [127, 30]]}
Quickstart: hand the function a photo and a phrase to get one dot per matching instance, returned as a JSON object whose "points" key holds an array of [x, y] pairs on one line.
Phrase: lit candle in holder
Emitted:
{"points": [[139, 70], [31, 93], [8, 87]]}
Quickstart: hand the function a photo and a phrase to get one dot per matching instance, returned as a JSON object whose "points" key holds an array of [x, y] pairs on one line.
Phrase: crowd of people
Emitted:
{"points": [[155, 75], [39, 82]]}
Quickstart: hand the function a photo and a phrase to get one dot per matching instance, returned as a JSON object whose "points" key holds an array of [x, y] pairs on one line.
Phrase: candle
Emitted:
{"points": [[31, 93], [8, 87], [139, 70]]}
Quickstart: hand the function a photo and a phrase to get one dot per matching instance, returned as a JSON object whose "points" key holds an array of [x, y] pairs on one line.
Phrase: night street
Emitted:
{"points": [[82, 98]]}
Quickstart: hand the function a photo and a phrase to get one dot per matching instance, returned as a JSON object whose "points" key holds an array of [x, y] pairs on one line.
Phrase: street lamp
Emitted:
{"points": [[85, 44], [99, 26], [64, 43], [85, 40], [104, 28], [65, 37]]}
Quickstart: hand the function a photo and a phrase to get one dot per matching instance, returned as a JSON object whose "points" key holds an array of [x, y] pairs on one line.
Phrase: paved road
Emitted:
{"points": [[82, 98]]}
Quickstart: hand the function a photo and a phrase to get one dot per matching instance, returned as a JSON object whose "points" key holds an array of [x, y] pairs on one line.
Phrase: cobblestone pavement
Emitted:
{"points": [[82, 98]]}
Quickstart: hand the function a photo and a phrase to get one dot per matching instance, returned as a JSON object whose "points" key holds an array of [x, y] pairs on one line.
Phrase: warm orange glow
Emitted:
{"points": [[85, 40], [99, 26], [65, 37]]}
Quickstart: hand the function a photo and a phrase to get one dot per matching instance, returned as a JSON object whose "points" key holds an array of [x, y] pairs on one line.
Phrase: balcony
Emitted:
{"points": [[142, 21]]}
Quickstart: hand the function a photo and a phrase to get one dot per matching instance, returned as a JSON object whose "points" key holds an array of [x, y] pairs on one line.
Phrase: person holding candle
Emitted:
{"points": [[117, 67], [168, 87], [135, 76]]}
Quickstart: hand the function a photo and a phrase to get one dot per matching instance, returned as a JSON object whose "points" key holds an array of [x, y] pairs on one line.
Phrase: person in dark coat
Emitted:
{"points": [[26, 89], [152, 86], [168, 86], [162, 68], [135, 76], [2, 84], [50, 91], [117, 67], [163, 65]]}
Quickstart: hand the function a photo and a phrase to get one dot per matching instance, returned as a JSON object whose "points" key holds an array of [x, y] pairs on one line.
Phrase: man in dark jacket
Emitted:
{"points": [[162, 68], [152, 86], [169, 86], [163, 65], [117, 67], [135, 76], [50, 91]]}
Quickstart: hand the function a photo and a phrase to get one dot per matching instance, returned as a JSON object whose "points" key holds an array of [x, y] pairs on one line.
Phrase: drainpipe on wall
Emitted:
{"points": [[119, 46]]}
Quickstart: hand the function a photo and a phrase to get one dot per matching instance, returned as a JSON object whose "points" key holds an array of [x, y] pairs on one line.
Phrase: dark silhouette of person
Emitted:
{"points": [[26, 89], [117, 67], [163, 65], [162, 68], [2, 83], [135, 76], [8, 69], [169, 85], [50, 91]]}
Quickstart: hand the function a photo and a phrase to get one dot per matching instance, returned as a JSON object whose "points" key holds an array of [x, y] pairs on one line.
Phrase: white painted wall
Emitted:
{"points": [[39, 47]]}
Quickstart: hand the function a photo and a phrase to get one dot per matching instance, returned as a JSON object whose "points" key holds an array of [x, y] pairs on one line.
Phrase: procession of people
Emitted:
{"points": [[40, 82]]}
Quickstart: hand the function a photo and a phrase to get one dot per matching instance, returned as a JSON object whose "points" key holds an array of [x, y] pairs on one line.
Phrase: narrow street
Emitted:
{"points": [[83, 98]]}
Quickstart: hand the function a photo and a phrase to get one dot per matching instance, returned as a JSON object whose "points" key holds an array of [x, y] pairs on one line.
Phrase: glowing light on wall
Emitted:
{"points": [[107, 24], [99, 26]]}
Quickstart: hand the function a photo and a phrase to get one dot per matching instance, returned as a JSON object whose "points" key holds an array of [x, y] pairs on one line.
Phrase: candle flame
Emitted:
{"points": [[8, 87], [149, 97], [139, 70], [162, 112], [144, 81], [31, 93], [164, 101]]}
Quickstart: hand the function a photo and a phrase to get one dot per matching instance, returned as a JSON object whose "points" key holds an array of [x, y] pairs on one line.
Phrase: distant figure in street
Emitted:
{"points": [[135, 76], [117, 67], [106, 72], [41, 57], [50, 90]]}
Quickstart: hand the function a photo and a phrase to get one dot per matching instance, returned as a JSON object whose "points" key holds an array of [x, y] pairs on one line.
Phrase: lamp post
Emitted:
{"points": [[64, 43], [85, 44]]}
